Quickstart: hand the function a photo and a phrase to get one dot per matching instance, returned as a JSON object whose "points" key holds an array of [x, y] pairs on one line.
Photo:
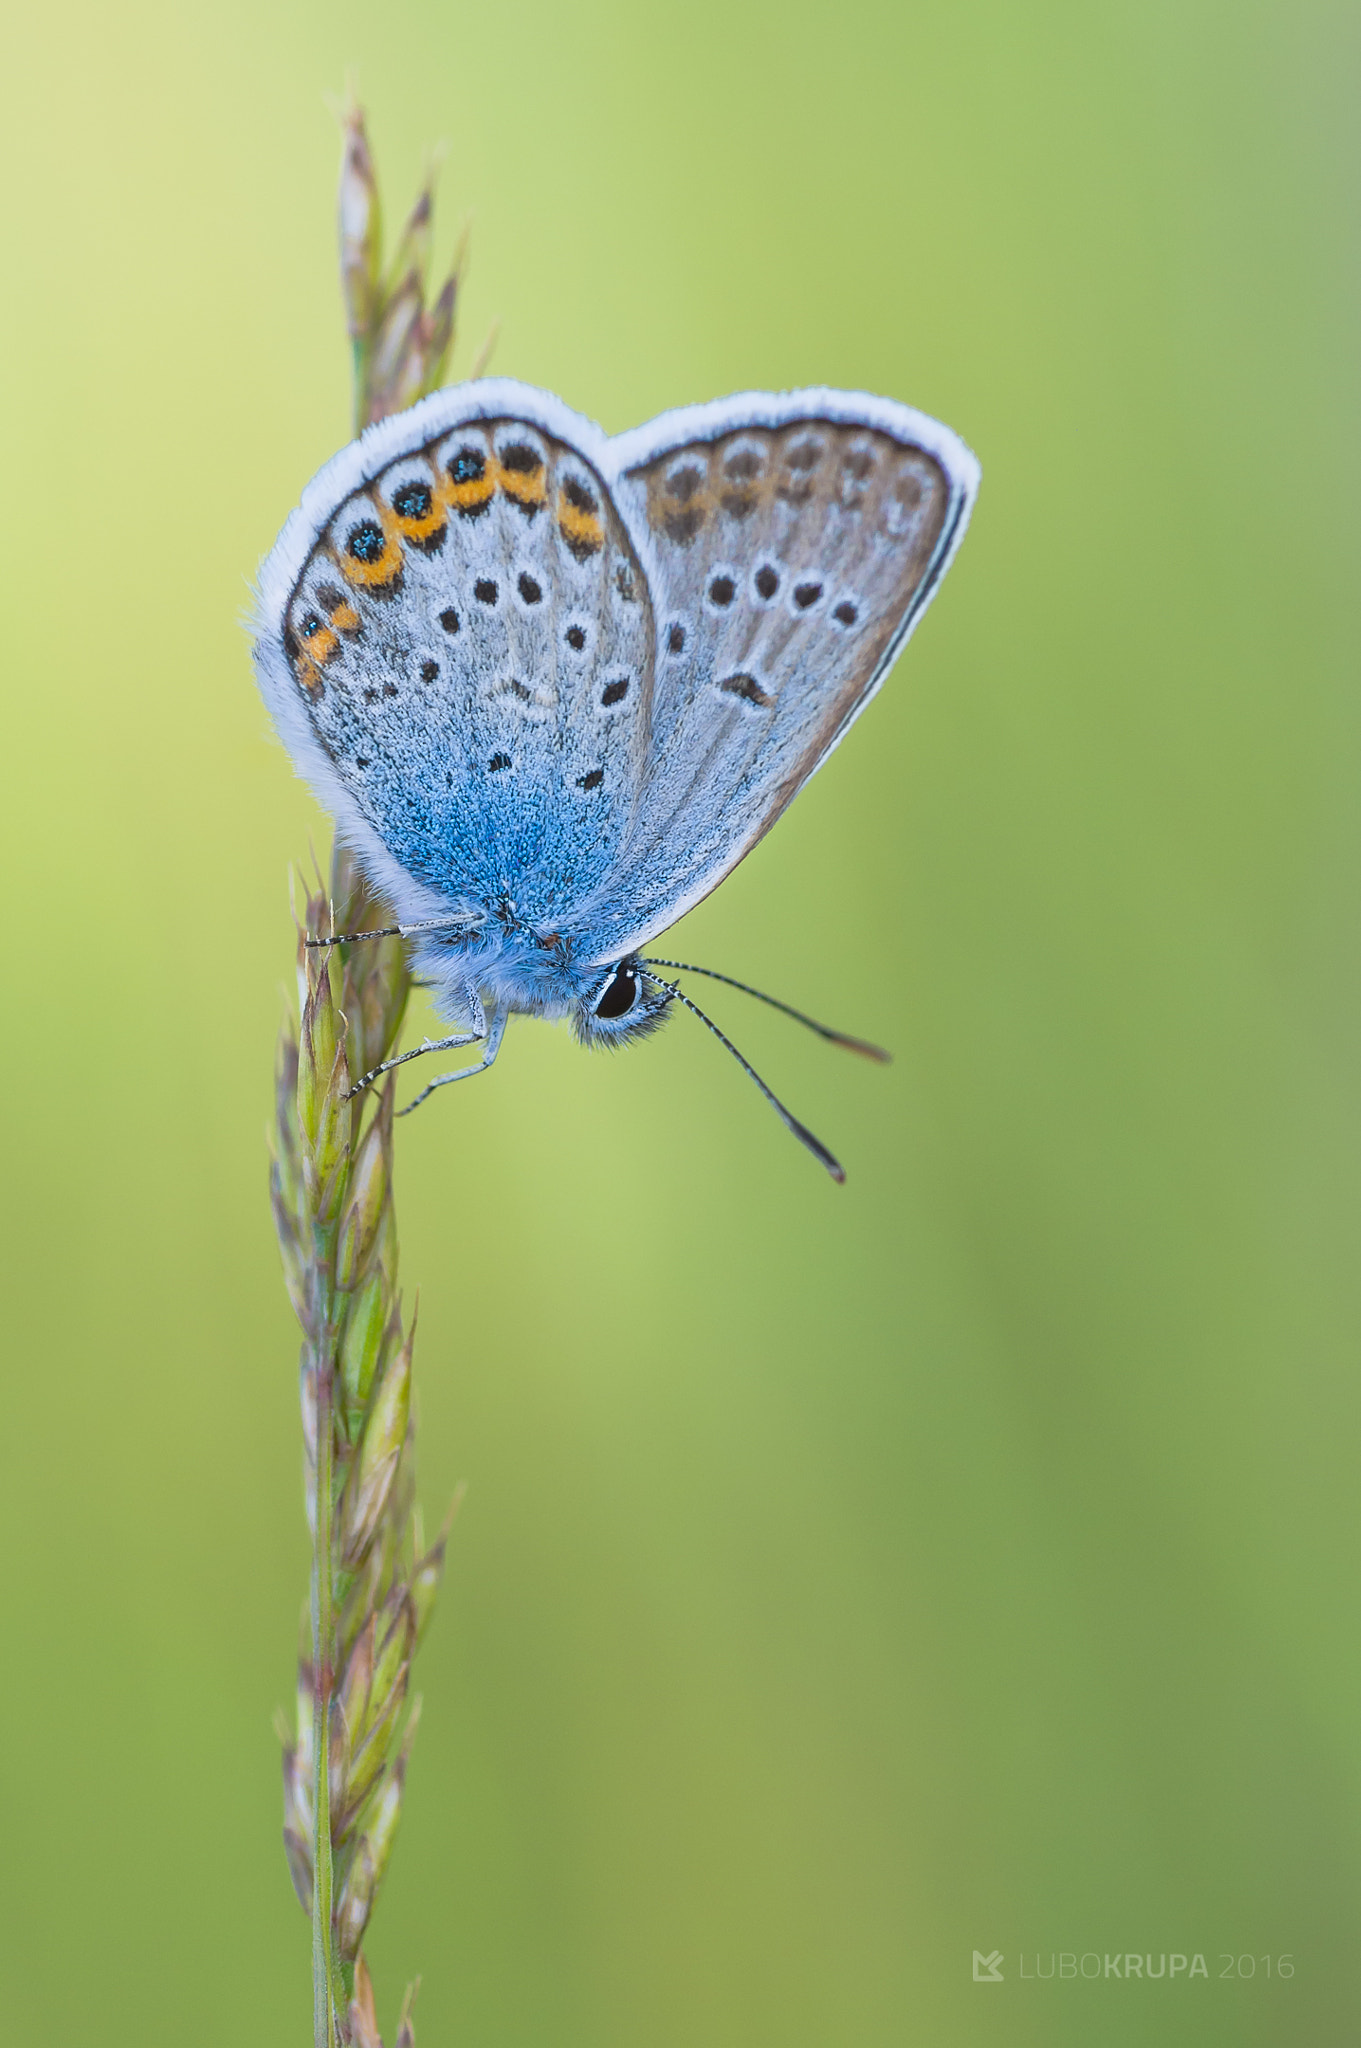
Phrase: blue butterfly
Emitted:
{"points": [[554, 686]]}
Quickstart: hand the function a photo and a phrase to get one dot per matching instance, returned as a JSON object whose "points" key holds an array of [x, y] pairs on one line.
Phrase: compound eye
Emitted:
{"points": [[619, 995]]}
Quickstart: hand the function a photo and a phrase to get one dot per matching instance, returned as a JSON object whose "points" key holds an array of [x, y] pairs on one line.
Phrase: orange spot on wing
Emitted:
{"points": [[385, 568], [313, 651], [428, 525], [525, 488], [308, 673], [528, 491], [582, 531], [472, 496], [345, 619], [321, 646]]}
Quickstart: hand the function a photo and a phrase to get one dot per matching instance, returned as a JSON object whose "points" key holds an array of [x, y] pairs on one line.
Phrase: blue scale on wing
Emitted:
{"points": [[491, 713]]}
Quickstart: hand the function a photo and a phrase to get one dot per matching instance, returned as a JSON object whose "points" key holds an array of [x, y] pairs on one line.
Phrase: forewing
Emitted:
{"points": [[467, 646], [791, 544]]}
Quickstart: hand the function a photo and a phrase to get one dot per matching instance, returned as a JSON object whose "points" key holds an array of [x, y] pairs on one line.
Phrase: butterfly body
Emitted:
{"points": [[555, 685]]}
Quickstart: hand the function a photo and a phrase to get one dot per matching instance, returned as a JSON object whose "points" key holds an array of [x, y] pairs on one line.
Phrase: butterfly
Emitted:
{"points": [[554, 685]]}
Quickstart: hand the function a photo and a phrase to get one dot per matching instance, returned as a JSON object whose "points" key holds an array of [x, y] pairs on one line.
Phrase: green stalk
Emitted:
{"points": [[319, 1149], [324, 1998]]}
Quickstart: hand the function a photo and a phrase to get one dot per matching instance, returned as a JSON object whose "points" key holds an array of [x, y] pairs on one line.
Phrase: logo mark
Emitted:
{"points": [[987, 1969]]}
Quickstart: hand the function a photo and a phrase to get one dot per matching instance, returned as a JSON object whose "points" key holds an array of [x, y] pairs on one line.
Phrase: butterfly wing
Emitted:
{"points": [[791, 543], [457, 645]]}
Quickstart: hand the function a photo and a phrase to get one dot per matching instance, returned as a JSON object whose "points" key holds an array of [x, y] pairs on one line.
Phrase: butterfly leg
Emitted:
{"points": [[477, 1017], [494, 1037], [417, 1052]]}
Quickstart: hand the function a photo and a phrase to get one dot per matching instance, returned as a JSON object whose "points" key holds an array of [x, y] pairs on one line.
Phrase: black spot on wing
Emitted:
{"points": [[748, 689], [412, 500], [682, 527], [365, 541]]}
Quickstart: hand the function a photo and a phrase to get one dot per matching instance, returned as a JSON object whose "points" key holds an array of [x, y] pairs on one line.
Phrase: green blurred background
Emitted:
{"points": [[847, 1580]]}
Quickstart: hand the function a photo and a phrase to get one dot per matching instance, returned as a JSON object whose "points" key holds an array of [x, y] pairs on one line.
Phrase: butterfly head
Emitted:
{"points": [[623, 1004]]}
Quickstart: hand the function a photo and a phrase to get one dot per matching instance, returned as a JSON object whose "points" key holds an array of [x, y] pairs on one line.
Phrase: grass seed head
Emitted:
{"points": [[331, 1180], [375, 1465], [361, 226], [366, 1196], [367, 1328]]}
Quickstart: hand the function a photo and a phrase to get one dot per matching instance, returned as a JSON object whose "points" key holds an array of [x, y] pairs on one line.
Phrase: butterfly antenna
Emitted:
{"points": [[860, 1045], [396, 931], [790, 1122]]}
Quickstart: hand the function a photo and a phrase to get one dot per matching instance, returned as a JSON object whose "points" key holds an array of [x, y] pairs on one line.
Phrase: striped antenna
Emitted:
{"points": [[790, 1122]]}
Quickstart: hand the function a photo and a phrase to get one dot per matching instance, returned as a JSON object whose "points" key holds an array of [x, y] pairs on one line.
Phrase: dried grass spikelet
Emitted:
{"points": [[364, 2020], [401, 346]]}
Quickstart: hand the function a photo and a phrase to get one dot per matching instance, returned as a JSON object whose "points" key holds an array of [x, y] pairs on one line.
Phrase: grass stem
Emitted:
{"points": [[324, 2001], [372, 1582]]}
